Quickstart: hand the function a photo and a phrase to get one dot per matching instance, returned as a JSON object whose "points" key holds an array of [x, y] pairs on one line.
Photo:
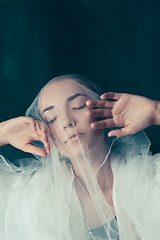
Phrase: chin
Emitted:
{"points": [[75, 151]]}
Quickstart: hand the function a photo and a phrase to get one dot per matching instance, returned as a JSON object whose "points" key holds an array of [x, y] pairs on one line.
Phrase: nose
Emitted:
{"points": [[69, 124], [67, 120]]}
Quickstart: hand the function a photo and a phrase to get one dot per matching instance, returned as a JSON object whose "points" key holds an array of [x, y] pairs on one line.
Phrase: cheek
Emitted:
{"points": [[85, 122], [83, 119], [55, 133]]}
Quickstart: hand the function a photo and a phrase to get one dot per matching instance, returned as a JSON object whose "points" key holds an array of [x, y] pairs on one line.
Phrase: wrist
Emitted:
{"points": [[157, 114], [3, 134]]}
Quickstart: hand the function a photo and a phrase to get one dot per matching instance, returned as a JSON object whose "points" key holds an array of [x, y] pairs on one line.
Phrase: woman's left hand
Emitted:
{"points": [[130, 112]]}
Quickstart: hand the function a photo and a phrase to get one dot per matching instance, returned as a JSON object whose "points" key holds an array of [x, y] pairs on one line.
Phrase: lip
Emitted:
{"points": [[73, 137]]}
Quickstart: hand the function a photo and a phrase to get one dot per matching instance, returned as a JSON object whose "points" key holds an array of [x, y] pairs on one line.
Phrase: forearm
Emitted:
{"points": [[157, 114]]}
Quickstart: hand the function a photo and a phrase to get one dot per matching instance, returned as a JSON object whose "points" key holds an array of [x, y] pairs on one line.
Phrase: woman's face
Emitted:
{"points": [[63, 106]]}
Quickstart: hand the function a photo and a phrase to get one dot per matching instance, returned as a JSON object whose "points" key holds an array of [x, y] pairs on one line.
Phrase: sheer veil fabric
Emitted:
{"points": [[90, 186]]}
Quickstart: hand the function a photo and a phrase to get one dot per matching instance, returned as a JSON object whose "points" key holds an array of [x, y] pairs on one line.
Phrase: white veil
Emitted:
{"points": [[88, 203], [90, 186]]}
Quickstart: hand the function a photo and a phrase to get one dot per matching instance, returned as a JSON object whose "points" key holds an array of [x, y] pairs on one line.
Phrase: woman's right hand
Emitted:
{"points": [[21, 132]]}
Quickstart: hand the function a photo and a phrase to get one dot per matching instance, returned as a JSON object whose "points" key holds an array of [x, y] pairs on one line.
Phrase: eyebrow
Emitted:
{"points": [[69, 99], [47, 109], [74, 96]]}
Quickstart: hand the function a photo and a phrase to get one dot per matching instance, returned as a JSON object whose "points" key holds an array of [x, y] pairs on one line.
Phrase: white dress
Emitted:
{"points": [[37, 204]]}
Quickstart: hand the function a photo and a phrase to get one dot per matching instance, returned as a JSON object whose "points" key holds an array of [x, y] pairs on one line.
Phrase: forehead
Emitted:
{"points": [[57, 91]]}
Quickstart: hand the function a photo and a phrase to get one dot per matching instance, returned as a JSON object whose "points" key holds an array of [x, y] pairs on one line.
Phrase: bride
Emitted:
{"points": [[93, 176]]}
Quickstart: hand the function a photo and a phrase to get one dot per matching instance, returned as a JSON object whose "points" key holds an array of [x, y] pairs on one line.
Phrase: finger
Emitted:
{"points": [[37, 137], [122, 132], [44, 140], [48, 149], [31, 122], [38, 125], [100, 113], [107, 123], [99, 104], [111, 95], [42, 131], [35, 150]]}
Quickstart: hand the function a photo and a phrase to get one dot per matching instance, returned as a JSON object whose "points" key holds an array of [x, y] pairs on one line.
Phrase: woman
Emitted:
{"points": [[87, 185]]}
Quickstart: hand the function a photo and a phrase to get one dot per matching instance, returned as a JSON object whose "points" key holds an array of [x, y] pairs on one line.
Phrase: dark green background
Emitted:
{"points": [[113, 43]]}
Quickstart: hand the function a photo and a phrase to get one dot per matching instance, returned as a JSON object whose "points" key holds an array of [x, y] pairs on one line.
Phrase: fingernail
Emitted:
{"points": [[88, 102], [92, 125], [89, 114]]}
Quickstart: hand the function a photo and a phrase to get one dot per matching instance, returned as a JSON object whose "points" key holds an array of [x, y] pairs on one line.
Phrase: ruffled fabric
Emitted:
{"points": [[35, 205], [136, 188], [29, 208]]}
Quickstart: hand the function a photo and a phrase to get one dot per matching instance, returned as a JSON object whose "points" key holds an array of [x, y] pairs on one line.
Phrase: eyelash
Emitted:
{"points": [[79, 107], [51, 121]]}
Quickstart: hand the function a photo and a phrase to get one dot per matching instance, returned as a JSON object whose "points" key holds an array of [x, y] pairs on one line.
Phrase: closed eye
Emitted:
{"points": [[79, 107], [51, 121]]}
